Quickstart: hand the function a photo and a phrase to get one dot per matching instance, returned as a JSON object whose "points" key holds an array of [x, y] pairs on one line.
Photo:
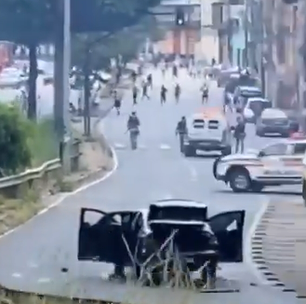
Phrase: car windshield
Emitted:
{"points": [[259, 104], [178, 213], [243, 80]]}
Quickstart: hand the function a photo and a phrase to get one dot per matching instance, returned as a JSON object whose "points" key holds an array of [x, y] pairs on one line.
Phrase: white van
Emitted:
{"points": [[207, 131]]}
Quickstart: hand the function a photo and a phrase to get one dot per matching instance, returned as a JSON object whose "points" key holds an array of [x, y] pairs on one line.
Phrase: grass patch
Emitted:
{"points": [[14, 212], [42, 142]]}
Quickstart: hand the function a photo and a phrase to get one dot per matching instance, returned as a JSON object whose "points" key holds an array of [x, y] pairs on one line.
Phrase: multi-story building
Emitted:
{"points": [[281, 53]]}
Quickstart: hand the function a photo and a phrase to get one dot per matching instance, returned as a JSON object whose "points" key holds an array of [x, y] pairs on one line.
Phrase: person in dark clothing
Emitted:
{"points": [[117, 103], [239, 135], [145, 90], [177, 92], [181, 131], [135, 93], [163, 93], [134, 76], [133, 127], [150, 81], [174, 71]]}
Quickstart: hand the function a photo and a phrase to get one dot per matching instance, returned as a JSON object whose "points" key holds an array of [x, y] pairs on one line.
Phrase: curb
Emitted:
{"points": [[257, 251]]}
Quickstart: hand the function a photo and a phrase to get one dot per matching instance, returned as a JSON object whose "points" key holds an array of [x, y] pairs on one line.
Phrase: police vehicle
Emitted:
{"points": [[277, 164], [207, 131]]}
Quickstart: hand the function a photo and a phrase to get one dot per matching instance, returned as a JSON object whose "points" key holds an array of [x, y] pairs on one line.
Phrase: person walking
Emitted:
{"points": [[181, 131], [163, 93], [239, 135], [135, 93]]}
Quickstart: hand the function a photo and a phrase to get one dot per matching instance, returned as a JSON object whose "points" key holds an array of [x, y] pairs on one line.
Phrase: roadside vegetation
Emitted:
{"points": [[23, 143]]}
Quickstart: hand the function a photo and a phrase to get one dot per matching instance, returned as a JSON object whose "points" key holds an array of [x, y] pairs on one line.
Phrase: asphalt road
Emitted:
{"points": [[32, 257]]}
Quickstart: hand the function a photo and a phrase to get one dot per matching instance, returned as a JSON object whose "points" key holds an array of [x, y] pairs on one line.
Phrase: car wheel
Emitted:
{"points": [[239, 180], [260, 134], [215, 164], [304, 191], [190, 151], [257, 187]]}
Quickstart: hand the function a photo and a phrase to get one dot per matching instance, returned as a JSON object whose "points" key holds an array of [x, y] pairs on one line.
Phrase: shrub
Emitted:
{"points": [[24, 143], [15, 153]]}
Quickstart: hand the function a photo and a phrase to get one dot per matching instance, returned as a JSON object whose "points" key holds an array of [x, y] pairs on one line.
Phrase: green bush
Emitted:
{"points": [[15, 153], [24, 143]]}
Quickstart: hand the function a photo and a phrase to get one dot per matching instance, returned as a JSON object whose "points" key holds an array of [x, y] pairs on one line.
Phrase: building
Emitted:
{"points": [[281, 53], [238, 38], [181, 20]]}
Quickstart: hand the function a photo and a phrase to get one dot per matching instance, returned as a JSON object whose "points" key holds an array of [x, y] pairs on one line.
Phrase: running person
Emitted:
{"points": [[163, 93], [204, 90], [177, 92], [135, 93]]}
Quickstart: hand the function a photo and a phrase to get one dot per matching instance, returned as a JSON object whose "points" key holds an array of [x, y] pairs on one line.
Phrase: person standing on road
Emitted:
{"points": [[117, 102], [135, 93], [145, 90], [239, 135], [133, 127], [177, 92], [163, 93], [181, 131], [150, 81]]}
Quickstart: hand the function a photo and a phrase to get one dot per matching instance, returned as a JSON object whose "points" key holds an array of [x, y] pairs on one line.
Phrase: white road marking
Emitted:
{"points": [[64, 196], [247, 248], [165, 147], [44, 280], [16, 275], [119, 146]]}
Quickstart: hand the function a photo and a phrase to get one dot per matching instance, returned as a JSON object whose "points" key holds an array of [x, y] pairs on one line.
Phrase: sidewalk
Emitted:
{"points": [[283, 238]]}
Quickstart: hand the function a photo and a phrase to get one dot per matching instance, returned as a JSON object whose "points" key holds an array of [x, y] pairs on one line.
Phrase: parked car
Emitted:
{"points": [[243, 93], [273, 121], [254, 107], [225, 75]]}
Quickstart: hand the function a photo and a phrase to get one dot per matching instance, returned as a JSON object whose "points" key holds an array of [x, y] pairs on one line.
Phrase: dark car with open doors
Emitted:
{"points": [[166, 234]]}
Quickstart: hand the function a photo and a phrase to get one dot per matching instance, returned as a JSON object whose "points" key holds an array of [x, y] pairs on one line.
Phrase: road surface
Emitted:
{"points": [[32, 257]]}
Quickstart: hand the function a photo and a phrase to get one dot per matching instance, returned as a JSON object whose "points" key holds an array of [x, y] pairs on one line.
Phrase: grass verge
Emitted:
{"points": [[42, 142], [14, 212]]}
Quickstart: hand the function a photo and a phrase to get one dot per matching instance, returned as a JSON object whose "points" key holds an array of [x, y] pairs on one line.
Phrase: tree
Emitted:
{"points": [[32, 22]]}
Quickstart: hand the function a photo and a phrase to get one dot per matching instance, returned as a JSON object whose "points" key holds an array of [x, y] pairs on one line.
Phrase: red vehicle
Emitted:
{"points": [[6, 54]]}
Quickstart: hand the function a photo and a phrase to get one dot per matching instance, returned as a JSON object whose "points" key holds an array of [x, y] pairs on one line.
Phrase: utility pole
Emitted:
{"points": [[62, 87], [229, 30], [246, 33]]}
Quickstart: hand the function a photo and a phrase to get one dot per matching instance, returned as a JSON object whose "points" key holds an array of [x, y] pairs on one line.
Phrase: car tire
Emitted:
{"points": [[257, 187], [190, 151], [244, 184], [215, 165], [260, 134], [304, 191]]}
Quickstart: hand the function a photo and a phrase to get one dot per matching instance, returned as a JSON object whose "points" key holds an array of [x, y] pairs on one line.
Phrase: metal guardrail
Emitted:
{"points": [[31, 174]]}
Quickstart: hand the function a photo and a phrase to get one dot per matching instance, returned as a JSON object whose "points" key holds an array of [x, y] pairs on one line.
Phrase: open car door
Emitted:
{"points": [[97, 230], [228, 228], [101, 236]]}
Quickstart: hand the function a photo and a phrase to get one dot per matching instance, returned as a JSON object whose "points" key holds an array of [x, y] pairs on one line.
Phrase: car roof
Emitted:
{"points": [[273, 113], [209, 113], [178, 203], [249, 88]]}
